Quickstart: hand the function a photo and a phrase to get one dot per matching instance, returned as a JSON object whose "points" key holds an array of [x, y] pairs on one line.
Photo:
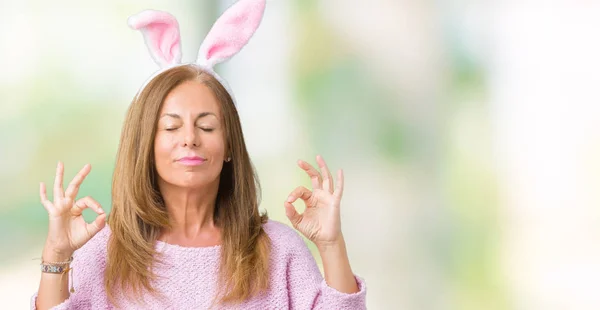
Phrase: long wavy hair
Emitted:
{"points": [[139, 214]]}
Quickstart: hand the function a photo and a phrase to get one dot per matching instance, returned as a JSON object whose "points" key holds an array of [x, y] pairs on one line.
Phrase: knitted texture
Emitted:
{"points": [[188, 278]]}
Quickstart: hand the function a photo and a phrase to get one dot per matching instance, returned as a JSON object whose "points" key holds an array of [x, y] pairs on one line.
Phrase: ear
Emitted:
{"points": [[231, 32], [161, 34]]}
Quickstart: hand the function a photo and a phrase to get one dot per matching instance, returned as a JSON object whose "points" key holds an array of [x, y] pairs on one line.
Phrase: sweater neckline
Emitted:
{"points": [[161, 245]]}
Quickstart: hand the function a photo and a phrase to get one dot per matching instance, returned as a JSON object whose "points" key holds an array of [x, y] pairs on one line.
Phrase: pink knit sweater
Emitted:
{"points": [[189, 279]]}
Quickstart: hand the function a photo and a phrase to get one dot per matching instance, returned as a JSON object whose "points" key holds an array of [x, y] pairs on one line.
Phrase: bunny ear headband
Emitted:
{"points": [[228, 35]]}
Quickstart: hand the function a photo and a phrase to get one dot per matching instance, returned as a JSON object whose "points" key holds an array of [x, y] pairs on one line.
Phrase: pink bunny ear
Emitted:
{"points": [[231, 32], [161, 34]]}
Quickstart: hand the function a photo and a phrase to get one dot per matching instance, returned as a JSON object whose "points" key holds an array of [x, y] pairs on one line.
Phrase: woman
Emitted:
{"points": [[185, 231]]}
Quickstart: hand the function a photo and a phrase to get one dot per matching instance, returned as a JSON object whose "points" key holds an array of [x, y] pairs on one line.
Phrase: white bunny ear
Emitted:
{"points": [[231, 32], [161, 34]]}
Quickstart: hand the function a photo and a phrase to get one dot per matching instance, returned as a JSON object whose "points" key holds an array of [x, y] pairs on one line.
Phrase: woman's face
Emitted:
{"points": [[189, 148]]}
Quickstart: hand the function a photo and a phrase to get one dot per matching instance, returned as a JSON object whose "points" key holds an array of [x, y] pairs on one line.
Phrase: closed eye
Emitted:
{"points": [[203, 129]]}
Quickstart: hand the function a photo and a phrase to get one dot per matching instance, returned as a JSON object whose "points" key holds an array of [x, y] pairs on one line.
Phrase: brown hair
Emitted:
{"points": [[138, 212]]}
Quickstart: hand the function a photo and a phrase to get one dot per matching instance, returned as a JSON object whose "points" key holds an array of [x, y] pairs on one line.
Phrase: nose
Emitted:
{"points": [[191, 137]]}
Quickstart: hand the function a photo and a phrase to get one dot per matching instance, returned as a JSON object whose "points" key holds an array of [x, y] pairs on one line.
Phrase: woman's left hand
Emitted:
{"points": [[320, 221]]}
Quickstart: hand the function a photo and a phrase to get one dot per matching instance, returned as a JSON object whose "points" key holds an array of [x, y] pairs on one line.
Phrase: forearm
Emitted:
{"points": [[336, 266], [53, 288]]}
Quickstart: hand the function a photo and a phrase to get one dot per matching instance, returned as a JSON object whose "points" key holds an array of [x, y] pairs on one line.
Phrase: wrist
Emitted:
{"points": [[332, 246], [55, 255]]}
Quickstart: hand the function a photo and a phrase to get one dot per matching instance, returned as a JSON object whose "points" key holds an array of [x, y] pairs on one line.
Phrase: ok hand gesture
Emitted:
{"points": [[67, 230], [320, 221]]}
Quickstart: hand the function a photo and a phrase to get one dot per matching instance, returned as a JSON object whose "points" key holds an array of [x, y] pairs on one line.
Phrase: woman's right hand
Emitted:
{"points": [[67, 230]]}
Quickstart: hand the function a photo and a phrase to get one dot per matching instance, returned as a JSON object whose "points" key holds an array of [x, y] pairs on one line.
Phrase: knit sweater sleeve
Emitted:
{"points": [[88, 267], [306, 287]]}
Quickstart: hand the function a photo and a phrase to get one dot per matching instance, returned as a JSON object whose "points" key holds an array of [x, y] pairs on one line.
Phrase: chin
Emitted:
{"points": [[193, 181]]}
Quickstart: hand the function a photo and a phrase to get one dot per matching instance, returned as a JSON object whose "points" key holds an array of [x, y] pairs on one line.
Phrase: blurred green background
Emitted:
{"points": [[469, 133]]}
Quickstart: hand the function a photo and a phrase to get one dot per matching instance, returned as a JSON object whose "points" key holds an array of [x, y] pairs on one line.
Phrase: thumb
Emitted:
{"points": [[94, 227], [292, 214]]}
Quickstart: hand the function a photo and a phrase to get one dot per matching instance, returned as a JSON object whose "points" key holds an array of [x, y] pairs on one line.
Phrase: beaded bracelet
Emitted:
{"points": [[58, 268]]}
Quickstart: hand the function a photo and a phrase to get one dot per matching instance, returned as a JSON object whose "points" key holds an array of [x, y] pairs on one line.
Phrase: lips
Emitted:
{"points": [[191, 160]]}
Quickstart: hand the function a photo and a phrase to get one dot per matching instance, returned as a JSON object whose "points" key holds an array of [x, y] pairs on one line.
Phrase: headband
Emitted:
{"points": [[228, 35]]}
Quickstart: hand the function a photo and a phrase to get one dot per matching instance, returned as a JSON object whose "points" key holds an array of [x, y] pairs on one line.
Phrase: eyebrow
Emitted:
{"points": [[201, 115]]}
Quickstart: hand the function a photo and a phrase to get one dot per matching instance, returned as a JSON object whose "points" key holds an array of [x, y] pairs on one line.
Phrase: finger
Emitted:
{"points": [[300, 192], [44, 198], [58, 181], [94, 227], [339, 186], [291, 213], [315, 176], [73, 187], [327, 179], [86, 202]]}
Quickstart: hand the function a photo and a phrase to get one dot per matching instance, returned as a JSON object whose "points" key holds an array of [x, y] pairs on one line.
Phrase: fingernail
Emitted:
{"points": [[290, 199]]}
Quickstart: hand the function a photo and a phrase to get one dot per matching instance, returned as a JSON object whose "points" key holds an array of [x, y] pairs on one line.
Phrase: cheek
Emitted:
{"points": [[163, 146], [216, 145]]}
